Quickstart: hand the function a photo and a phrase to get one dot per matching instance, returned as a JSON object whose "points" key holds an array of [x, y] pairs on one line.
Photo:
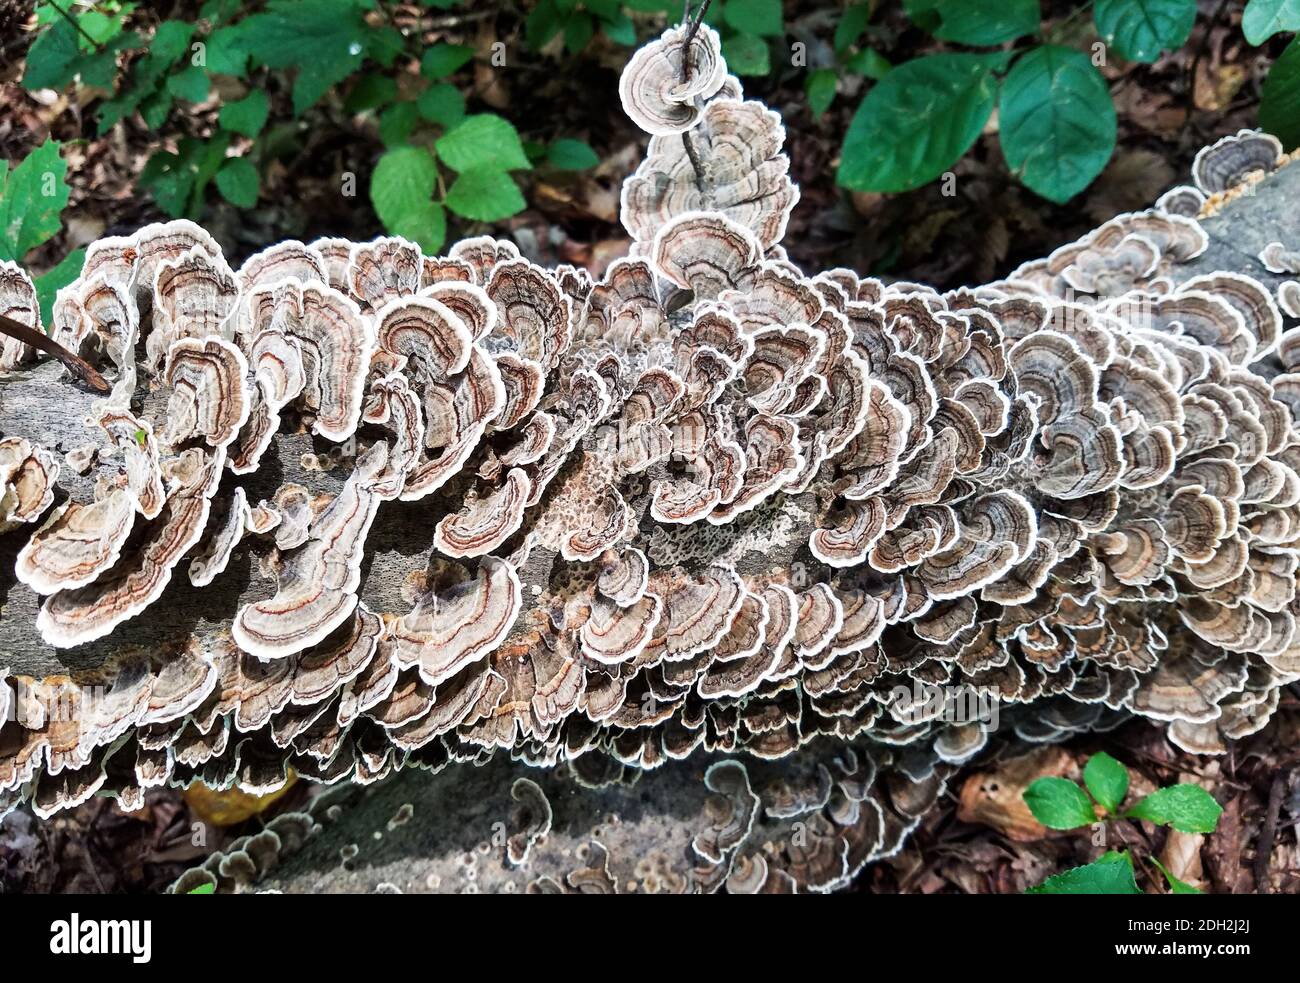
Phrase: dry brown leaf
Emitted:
{"points": [[996, 798]]}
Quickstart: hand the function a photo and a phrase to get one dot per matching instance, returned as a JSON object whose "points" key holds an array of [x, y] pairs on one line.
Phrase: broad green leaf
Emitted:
{"points": [[851, 25], [1107, 780], [190, 84], [747, 54], [485, 141], [52, 58], [1057, 121], [579, 29], [979, 22], [246, 115], [237, 181], [385, 44], [227, 51], [396, 123], [1141, 29], [820, 87], [485, 195], [917, 120], [1264, 18], [1187, 808], [1279, 105], [204, 889], [48, 284], [1175, 885], [762, 17], [170, 41], [443, 59], [442, 103], [1113, 875], [1059, 803], [31, 197], [401, 189], [543, 23], [325, 40], [571, 155]]}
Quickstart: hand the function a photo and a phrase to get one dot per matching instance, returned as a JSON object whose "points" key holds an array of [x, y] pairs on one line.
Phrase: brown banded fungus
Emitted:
{"points": [[707, 503]]}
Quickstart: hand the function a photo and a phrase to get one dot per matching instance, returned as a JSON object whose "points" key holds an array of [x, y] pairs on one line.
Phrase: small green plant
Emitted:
{"points": [[204, 889], [437, 156], [1059, 803], [32, 196], [1056, 119], [1279, 106]]}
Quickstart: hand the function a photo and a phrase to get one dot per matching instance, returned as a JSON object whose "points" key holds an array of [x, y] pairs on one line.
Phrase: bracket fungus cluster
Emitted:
{"points": [[349, 507]]}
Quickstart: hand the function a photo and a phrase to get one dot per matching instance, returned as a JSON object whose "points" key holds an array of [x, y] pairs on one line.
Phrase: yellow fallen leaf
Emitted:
{"points": [[230, 807]]}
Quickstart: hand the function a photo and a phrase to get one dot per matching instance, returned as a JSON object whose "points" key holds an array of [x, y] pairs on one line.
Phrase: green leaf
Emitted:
{"points": [[820, 86], [571, 155], [870, 63], [746, 54], [370, 91], [1057, 122], [442, 103], [397, 122], [1109, 875], [31, 197], [325, 40], [237, 181], [1264, 18], [1187, 808], [1141, 29], [918, 120], [1175, 885], [190, 84], [1279, 105], [619, 29], [170, 41], [543, 23], [246, 115], [52, 58], [852, 23], [227, 51], [762, 17], [443, 59], [204, 889], [485, 195], [485, 141], [401, 189], [1059, 803], [578, 31], [1107, 780], [48, 284], [979, 22]]}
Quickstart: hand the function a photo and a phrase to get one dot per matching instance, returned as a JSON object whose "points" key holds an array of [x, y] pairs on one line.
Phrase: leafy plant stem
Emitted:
{"points": [[37, 339], [79, 29]]}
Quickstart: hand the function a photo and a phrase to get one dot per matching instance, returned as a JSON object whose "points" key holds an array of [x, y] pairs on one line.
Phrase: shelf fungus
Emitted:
{"points": [[706, 502]]}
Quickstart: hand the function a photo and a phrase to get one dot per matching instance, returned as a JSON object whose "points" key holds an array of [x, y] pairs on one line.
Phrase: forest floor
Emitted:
{"points": [[980, 839]]}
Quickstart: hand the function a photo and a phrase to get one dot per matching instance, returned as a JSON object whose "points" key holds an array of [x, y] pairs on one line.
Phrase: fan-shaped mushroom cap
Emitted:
{"points": [[82, 614], [1288, 297], [705, 252], [195, 295], [27, 476], [1224, 164], [659, 92], [1183, 200], [18, 302], [77, 543], [212, 558], [747, 177], [533, 314], [318, 582], [209, 397], [455, 624]]}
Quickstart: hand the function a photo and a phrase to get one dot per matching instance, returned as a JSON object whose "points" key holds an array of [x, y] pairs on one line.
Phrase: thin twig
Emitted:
{"points": [[37, 339], [1264, 848], [688, 144]]}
